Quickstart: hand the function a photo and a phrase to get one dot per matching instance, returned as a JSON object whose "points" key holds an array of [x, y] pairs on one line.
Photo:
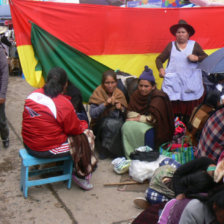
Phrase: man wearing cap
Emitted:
{"points": [[182, 80], [4, 73]]}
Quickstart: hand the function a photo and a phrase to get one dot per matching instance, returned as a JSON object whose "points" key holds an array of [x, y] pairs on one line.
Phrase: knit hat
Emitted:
{"points": [[182, 23], [147, 74]]}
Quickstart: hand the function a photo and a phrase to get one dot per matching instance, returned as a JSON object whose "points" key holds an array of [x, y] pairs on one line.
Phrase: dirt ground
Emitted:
{"points": [[54, 203]]}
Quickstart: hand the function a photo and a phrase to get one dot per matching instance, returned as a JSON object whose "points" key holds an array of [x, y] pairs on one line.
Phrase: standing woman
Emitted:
{"points": [[4, 75], [207, 210], [182, 80], [107, 111], [148, 108]]}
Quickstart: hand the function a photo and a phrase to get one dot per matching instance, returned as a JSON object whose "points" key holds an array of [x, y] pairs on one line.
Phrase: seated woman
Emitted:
{"points": [[194, 177], [51, 128], [214, 82], [107, 110], [201, 114], [148, 108], [207, 210], [191, 180], [211, 143], [77, 101], [160, 187], [188, 181]]}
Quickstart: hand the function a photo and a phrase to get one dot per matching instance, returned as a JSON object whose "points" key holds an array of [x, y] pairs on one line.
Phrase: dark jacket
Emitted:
{"points": [[4, 73]]}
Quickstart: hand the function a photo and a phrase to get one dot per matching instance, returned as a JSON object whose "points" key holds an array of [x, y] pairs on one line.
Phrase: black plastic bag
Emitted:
{"points": [[145, 156]]}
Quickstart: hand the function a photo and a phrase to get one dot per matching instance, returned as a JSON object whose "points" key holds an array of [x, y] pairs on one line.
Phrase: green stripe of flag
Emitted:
{"points": [[84, 72]]}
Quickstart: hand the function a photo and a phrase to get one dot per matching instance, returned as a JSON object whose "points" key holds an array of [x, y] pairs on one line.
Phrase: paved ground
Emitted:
{"points": [[53, 203]]}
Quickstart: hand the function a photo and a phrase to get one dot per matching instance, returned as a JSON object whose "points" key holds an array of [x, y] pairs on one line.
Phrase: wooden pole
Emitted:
{"points": [[122, 183]]}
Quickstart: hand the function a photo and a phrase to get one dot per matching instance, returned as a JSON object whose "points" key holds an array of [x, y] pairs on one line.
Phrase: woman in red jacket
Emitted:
{"points": [[51, 128]]}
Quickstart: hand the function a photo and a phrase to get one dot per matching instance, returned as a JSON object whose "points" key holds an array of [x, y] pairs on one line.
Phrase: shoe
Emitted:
{"points": [[82, 183], [141, 203], [5, 143]]}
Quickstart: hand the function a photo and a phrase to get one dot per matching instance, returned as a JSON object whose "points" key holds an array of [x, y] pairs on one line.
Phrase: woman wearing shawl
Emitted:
{"points": [[148, 108], [107, 108]]}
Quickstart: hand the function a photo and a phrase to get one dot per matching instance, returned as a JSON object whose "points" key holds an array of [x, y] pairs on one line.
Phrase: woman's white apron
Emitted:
{"points": [[183, 81]]}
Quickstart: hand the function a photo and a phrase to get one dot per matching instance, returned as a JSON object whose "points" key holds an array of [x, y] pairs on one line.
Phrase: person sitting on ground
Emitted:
{"points": [[51, 128], [208, 209], [107, 111], [214, 82], [194, 177], [201, 114], [211, 143], [77, 101], [148, 108], [189, 181], [160, 186], [184, 180]]}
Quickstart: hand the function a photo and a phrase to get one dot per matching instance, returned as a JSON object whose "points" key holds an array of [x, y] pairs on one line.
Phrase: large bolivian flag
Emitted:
{"points": [[86, 40]]}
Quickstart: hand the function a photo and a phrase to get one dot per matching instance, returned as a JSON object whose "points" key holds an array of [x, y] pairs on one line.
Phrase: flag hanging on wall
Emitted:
{"points": [[86, 40]]}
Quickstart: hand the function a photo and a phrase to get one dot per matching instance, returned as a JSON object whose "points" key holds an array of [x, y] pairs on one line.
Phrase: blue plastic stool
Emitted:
{"points": [[28, 160]]}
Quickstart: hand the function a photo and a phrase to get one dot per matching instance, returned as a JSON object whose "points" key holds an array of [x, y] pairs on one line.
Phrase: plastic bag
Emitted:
{"points": [[121, 165], [145, 156], [182, 153], [141, 170]]}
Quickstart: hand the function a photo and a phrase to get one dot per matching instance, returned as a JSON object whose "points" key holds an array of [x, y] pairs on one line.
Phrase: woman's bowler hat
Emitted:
{"points": [[182, 23]]}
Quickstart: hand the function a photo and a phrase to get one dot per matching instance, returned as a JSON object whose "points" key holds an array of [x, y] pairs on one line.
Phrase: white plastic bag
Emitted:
{"points": [[121, 165], [141, 170]]}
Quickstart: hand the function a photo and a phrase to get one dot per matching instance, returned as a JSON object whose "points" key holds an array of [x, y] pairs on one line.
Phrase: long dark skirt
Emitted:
{"points": [[150, 215], [108, 136], [183, 109]]}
